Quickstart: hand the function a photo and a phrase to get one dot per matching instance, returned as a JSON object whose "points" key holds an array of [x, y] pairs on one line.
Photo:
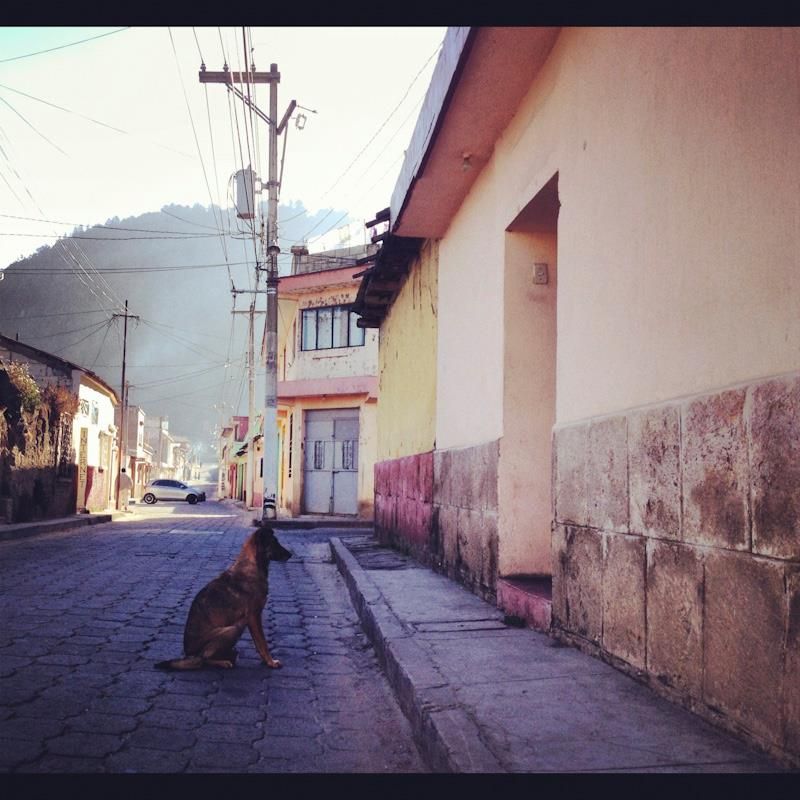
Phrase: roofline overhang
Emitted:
{"points": [[290, 285], [432, 182], [454, 53], [381, 282], [479, 80]]}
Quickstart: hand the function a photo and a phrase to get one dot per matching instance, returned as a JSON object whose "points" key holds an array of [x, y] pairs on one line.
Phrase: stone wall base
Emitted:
{"points": [[441, 508], [676, 552]]}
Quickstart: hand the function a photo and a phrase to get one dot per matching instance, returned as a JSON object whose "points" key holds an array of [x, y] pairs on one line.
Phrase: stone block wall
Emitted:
{"points": [[441, 507], [676, 551], [404, 503]]}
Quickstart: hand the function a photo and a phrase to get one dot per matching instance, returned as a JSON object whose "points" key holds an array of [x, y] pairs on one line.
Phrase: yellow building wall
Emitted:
{"points": [[406, 414]]}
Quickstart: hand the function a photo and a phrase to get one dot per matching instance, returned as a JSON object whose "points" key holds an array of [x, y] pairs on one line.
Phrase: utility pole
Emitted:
{"points": [[270, 243], [123, 427], [251, 396]]}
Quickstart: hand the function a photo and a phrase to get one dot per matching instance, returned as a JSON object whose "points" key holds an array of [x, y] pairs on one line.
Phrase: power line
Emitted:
{"points": [[252, 231], [347, 213], [61, 108], [95, 121], [59, 314], [187, 343], [191, 118], [375, 135], [105, 336], [102, 226], [63, 46], [74, 330], [121, 270], [202, 60], [83, 339], [65, 252], [194, 391], [33, 127], [112, 238]]}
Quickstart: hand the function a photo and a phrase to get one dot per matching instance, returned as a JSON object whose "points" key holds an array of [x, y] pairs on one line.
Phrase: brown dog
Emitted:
{"points": [[232, 602]]}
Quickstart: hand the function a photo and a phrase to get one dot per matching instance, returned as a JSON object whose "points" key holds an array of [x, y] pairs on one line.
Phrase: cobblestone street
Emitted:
{"points": [[88, 611]]}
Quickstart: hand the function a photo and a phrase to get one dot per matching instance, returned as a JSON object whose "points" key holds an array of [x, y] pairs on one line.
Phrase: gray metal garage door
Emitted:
{"points": [[330, 466]]}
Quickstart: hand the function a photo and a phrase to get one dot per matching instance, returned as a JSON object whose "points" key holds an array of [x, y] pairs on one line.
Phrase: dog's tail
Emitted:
{"points": [[190, 662]]}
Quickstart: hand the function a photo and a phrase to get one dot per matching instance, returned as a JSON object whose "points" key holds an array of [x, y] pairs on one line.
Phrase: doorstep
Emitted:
{"points": [[528, 598]]}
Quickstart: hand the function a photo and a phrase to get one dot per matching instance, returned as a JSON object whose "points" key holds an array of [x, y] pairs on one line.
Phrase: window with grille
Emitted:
{"points": [[319, 455], [330, 327], [348, 454]]}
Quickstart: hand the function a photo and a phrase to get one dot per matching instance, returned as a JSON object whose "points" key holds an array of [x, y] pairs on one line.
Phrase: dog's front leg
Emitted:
{"points": [[260, 641]]}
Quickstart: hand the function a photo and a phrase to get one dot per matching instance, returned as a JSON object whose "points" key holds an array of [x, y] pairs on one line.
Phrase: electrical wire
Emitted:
{"points": [[63, 46], [105, 336], [347, 213], [191, 119], [252, 230], [188, 344], [101, 226], [111, 238], [83, 274], [74, 330], [219, 224], [59, 314], [34, 128], [187, 221], [35, 270], [177, 378], [372, 138], [193, 392], [83, 339], [95, 121]]}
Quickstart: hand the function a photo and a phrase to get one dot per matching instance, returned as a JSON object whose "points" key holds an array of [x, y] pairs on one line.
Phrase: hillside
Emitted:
{"points": [[171, 267]]}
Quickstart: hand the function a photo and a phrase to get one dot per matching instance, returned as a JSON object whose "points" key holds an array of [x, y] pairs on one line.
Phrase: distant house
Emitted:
{"points": [[327, 388], [162, 443], [589, 310], [138, 453], [53, 488], [233, 459]]}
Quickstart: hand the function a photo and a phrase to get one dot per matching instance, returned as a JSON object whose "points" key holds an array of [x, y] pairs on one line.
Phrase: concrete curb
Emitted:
{"points": [[25, 529], [307, 524], [448, 737]]}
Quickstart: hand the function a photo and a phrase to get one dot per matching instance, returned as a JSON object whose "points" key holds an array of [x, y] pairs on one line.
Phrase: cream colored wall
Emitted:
{"points": [[105, 417], [528, 406], [469, 396], [678, 236], [406, 413], [678, 233], [334, 363]]}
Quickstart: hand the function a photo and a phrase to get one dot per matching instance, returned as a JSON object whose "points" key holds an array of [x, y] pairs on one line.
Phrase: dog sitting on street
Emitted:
{"points": [[233, 601]]}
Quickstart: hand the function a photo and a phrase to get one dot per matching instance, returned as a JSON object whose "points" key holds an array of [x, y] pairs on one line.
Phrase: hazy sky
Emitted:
{"points": [[61, 166]]}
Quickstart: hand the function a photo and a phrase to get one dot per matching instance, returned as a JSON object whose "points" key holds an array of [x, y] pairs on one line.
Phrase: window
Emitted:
{"points": [[319, 455], [330, 327], [95, 413], [348, 454]]}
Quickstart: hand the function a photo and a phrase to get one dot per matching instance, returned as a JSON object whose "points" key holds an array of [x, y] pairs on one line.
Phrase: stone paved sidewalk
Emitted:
{"points": [[486, 697]]}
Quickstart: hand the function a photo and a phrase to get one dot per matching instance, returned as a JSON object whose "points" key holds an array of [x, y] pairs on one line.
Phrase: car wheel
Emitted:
{"points": [[191, 499], [149, 498]]}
